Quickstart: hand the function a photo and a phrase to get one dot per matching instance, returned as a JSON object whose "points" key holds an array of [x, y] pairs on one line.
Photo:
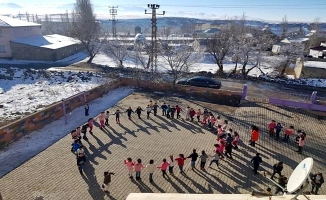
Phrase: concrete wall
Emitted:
{"points": [[28, 52], [5, 38], [313, 72], [20, 32], [298, 68], [30, 123], [11, 33], [176, 196], [315, 53], [224, 97]]}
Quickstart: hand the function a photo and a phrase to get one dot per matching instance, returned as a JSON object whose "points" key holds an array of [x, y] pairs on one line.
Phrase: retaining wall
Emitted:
{"points": [[224, 97]]}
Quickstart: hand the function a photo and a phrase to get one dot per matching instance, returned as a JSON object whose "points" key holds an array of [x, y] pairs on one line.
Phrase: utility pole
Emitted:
{"points": [[154, 48], [113, 13]]}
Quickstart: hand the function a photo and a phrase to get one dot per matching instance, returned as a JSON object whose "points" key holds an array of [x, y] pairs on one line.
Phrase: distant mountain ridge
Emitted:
{"points": [[10, 5], [180, 21]]}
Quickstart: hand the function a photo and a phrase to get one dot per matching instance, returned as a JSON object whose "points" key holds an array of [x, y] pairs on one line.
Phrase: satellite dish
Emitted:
{"points": [[299, 175]]}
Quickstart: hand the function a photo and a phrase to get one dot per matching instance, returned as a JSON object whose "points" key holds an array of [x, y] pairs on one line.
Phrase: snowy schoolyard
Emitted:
{"points": [[24, 91]]}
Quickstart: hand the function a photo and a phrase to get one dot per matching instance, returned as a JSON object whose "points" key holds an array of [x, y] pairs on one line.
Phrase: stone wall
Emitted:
{"points": [[30, 123], [28, 52], [223, 97]]}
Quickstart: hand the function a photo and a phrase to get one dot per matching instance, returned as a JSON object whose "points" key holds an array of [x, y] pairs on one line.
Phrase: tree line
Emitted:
{"points": [[236, 43]]}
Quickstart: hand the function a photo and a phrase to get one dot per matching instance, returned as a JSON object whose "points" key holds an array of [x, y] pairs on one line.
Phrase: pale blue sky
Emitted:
{"points": [[273, 10]]}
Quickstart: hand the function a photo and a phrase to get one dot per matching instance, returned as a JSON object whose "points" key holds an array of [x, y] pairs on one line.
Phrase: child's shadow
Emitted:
{"points": [[142, 186]]}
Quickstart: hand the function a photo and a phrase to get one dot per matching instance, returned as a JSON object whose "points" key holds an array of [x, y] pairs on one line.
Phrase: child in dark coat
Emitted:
{"points": [[107, 181], [107, 118], [138, 111], [164, 107], [84, 131], [155, 106], [129, 111], [81, 160], [117, 116]]}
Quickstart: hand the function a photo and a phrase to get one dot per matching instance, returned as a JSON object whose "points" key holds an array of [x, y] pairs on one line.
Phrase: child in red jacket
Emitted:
{"points": [[178, 109], [192, 114], [181, 161], [271, 127]]}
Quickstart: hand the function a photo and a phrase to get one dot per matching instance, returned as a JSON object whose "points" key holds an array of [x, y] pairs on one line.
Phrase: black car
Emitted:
{"points": [[201, 81]]}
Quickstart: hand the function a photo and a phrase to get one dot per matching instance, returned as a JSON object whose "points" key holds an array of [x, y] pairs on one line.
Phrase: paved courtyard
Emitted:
{"points": [[53, 173]]}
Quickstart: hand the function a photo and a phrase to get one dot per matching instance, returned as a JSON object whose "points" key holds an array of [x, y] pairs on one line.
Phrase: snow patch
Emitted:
{"points": [[27, 91]]}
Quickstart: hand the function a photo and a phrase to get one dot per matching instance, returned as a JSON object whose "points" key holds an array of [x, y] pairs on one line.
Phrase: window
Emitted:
{"points": [[0, 32], [2, 48]]}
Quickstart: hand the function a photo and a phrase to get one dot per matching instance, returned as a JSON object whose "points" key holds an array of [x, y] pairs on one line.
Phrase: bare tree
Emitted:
{"points": [[315, 38], [117, 50], [289, 54], [27, 16], [38, 20], [285, 27], [141, 58], [180, 59], [218, 47], [260, 45], [47, 25], [86, 28], [65, 23], [141, 55]]}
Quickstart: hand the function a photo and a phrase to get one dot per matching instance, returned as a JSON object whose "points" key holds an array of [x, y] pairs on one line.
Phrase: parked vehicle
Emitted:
{"points": [[201, 81]]}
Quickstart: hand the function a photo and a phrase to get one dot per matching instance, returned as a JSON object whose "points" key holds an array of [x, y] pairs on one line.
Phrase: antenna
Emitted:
{"points": [[299, 176], [296, 182], [113, 13]]}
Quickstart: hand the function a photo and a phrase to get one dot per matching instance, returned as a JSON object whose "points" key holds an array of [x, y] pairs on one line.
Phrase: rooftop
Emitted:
{"points": [[54, 41], [13, 22]]}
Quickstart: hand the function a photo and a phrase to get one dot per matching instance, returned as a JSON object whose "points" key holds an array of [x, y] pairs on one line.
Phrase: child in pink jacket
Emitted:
{"points": [[130, 166], [138, 167], [90, 125], [198, 113], [101, 118], [164, 166]]}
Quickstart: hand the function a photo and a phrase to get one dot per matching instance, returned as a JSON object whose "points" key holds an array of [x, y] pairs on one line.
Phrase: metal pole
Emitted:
{"points": [[154, 47], [313, 97], [244, 92], [85, 97], [64, 111]]}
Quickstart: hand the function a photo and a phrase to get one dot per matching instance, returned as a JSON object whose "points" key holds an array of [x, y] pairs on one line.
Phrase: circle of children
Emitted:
{"points": [[226, 140]]}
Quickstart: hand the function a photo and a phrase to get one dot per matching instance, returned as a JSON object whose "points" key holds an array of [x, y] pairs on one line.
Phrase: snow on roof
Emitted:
{"points": [[12, 22], [54, 41], [315, 64], [286, 41]]}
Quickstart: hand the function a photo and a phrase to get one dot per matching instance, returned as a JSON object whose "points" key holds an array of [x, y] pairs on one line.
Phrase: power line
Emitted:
{"points": [[294, 7]]}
